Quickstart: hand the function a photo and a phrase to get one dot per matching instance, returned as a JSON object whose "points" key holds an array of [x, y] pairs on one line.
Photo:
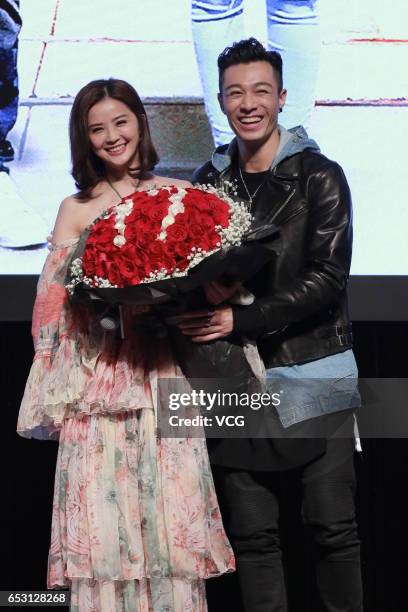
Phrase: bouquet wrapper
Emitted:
{"points": [[223, 360]]}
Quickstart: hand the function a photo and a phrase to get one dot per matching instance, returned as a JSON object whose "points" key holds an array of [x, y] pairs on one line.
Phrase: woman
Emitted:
{"points": [[135, 520]]}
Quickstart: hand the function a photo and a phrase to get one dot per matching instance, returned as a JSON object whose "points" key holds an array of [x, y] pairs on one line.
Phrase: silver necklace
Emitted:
{"points": [[116, 191], [251, 196]]}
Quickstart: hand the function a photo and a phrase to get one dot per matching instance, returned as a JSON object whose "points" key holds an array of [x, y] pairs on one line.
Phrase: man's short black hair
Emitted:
{"points": [[245, 51]]}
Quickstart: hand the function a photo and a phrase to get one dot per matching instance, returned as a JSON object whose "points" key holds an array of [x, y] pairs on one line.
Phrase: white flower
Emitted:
{"points": [[119, 241], [125, 207], [168, 220], [174, 209]]}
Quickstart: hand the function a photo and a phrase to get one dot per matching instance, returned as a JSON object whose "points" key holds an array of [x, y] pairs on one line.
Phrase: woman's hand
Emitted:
{"points": [[216, 292], [204, 325]]}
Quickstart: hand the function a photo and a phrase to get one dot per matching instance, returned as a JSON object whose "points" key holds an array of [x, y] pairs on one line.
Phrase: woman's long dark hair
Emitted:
{"points": [[87, 169]]}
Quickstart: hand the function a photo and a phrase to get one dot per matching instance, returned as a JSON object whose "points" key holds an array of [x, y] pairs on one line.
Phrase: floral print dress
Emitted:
{"points": [[135, 524]]}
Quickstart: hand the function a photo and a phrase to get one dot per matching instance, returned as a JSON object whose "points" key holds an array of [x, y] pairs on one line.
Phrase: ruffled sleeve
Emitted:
{"points": [[49, 327], [78, 369]]}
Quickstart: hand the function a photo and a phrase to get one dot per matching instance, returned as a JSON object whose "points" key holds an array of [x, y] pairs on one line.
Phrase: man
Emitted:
{"points": [[300, 322], [292, 28]]}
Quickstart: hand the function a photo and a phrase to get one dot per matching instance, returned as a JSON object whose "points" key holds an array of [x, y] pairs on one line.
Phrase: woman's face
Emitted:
{"points": [[114, 134]]}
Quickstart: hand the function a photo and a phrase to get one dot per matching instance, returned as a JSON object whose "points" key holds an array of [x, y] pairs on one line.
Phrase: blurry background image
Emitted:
{"points": [[167, 50]]}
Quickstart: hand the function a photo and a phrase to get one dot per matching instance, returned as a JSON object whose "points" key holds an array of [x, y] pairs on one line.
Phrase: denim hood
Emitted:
{"points": [[291, 142]]}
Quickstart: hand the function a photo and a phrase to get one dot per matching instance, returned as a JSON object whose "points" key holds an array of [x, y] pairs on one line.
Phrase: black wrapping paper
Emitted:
{"points": [[222, 359]]}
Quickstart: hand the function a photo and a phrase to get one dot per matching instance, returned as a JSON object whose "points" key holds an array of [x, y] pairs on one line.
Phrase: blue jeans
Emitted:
{"points": [[292, 31]]}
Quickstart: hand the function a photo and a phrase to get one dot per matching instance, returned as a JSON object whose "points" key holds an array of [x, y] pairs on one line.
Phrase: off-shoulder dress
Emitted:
{"points": [[135, 523]]}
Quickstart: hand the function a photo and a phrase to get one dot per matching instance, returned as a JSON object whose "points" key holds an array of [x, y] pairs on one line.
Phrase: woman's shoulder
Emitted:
{"points": [[162, 181], [76, 203], [67, 222], [70, 202]]}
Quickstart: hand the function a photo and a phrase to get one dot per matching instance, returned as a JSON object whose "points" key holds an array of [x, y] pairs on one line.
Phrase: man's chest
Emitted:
{"points": [[269, 199]]}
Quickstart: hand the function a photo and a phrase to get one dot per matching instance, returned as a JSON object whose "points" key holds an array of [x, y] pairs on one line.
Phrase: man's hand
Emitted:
{"points": [[204, 325], [216, 292]]}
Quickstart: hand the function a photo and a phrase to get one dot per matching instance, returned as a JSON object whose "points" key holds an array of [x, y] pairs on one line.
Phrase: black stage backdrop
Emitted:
{"points": [[27, 486]]}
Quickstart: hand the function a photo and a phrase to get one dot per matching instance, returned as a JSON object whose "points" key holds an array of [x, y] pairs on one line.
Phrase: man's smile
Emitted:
{"points": [[250, 120]]}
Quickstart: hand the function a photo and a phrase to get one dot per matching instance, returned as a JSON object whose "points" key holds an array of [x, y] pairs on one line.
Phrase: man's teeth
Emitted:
{"points": [[251, 120]]}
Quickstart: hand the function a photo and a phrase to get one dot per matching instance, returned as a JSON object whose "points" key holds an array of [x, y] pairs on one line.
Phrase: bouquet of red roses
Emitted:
{"points": [[158, 247], [161, 244]]}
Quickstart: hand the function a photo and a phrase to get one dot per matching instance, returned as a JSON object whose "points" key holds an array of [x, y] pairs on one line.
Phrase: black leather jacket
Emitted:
{"points": [[300, 312]]}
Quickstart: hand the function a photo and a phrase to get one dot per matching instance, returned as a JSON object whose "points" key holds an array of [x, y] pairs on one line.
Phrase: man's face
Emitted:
{"points": [[251, 100]]}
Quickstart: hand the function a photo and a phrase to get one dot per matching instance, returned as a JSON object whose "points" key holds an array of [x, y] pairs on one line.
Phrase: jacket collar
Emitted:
{"points": [[291, 142]]}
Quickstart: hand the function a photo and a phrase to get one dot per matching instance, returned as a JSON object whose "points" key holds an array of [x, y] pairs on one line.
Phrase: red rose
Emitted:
{"points": [[181, 251], [103, 238], [207, 222], [214, 239], [114, 274], [221, 219], [161, 256], [88, 265], [176, 232], [157, 212], [134, 216], [140, 233], [209, 240], [129, 268], [171, 248], [140, 199], [196, 199], [195, 230], [156, 247]]}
